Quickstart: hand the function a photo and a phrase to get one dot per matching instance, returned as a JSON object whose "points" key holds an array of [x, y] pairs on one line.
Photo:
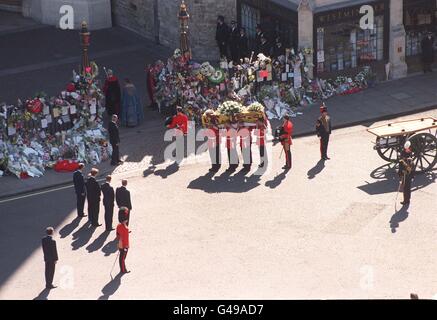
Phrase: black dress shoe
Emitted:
{"points": [[51, 287], [404, 203], [127, 271], [110, 229], [82, 215], [97, 225]]}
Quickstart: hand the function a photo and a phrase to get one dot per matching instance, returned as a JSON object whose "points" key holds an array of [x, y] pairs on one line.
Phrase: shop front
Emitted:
{"points": [[342, 47], [278, 18], [420, 17]]}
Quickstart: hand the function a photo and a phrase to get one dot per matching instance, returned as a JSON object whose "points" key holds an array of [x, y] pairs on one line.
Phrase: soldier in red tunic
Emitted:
{"points": [[231, 146], [285, 137], [245, 134], [123, 243], [261, 126], [213, 134]]}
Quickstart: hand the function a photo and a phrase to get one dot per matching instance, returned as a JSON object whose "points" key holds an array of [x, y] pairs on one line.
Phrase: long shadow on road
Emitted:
{"points": [[237, 183], [388, 180], [111, 287]]}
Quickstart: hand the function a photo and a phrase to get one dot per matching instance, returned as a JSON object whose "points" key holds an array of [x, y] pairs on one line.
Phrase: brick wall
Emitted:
{"points": [[138, 15]]}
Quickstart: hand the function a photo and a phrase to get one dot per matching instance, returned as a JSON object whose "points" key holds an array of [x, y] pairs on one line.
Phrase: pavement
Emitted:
{"points": [[324, 230], [48, 67]]}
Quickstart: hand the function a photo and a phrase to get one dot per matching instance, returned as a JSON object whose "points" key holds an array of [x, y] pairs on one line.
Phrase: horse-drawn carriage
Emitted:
{"points": [[422, 133]]}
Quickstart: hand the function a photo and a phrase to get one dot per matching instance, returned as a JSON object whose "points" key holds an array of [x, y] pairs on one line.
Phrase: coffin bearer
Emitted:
{"points": [[323, 128], [93, 197], [114, 140], [50, 257], [231, 147], [285, 137], [213, 135], [123, 244], [122, 197], [245, 134], [108, 202], [79, 187], [261, 126], [406, 172]]}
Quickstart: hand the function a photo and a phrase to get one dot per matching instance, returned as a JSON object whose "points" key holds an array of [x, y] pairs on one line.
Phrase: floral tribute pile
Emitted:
{"points": [[280, 85], [54, 132]]}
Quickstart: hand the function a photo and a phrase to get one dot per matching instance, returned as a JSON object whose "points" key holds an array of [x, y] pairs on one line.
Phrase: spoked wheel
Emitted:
{"points": [[424, 149], [388, 149]]}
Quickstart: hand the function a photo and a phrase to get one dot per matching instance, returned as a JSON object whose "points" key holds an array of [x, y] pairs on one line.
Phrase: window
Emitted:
{"points": [[346, 45]]}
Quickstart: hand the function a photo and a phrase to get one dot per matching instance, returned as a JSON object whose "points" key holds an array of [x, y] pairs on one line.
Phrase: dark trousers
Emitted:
{"points": [[122, 259], [80, 204], [109, 213], [215, 156], [50, 272], [247, 156], [115, 154], [233, 157], [223, 50], [263, 155], [407, 189], [93, 212], [324, 141]]}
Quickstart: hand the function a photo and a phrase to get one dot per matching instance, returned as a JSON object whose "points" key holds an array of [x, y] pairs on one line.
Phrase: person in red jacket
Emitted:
{"points": [[179, 121], [123, 243], [287, 131]]}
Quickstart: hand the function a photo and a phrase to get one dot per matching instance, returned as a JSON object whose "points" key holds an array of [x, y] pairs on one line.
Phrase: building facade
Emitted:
{"points": [[330, 27]]}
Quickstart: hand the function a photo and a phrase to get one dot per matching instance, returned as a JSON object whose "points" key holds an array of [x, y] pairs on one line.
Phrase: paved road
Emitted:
{"points": [[322, 231]]}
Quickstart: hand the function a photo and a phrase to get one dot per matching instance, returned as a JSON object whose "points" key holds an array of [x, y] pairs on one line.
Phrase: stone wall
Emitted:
{"points": [[139, 16]]}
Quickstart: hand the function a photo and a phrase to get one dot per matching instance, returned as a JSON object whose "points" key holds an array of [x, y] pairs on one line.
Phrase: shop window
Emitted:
{"points": [[346, 45]]}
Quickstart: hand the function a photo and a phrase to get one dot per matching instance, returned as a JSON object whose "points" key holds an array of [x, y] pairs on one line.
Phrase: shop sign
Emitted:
{"points": [[347, 14]]}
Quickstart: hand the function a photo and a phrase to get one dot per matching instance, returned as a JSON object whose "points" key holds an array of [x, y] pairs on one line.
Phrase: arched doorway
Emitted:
{"points": [[11, 5]]}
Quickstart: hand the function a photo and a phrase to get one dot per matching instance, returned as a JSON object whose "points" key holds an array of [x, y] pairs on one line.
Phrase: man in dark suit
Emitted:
{"points": [[243, 46], [79, 187], [122, 196], [114, 140], [221, 36], [108, 202], [427, 45], [234, 40], [50, 257], [93, 197]]}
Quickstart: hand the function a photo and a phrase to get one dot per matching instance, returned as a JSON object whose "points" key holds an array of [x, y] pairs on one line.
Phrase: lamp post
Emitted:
{"points": [[85, 42], [183, 24]]}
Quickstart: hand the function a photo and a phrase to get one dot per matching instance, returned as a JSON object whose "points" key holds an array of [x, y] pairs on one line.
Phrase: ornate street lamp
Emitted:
{"points": [[85, 42], [183, 24]]}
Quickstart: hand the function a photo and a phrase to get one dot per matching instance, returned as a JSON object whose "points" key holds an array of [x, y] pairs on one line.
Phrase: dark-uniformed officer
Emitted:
{"points": [[324, 129], [108, 202], [122, 197], [406, 172]]}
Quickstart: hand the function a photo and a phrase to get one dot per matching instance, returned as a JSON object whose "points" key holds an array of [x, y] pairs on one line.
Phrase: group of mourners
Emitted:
{"points": [[232, 132], [122, 101], [234, 45]]}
